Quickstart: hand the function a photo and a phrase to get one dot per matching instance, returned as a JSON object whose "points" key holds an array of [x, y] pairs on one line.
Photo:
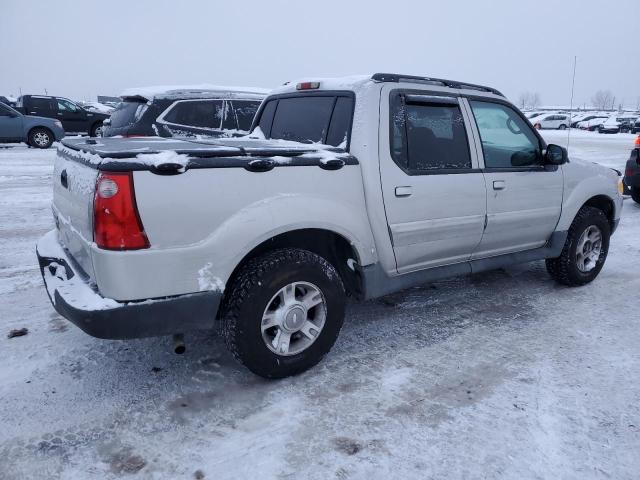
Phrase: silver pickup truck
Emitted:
{"points": [[359, 186]]}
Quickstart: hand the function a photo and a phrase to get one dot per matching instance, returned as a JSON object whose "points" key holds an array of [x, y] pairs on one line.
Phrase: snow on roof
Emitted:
{"points": [[351, 82], [163, 91]]}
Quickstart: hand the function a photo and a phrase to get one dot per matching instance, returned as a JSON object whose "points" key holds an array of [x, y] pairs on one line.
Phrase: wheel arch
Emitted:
{"points": [[93, 125], [332, 246], [42, 127], [604, 203]]}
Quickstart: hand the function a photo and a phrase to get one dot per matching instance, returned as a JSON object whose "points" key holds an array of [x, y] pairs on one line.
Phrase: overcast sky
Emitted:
{"points": [[81, 49]]}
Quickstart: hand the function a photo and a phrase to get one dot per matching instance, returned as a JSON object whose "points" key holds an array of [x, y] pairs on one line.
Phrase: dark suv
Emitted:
{"points": [[74, 118], [184, 111]]}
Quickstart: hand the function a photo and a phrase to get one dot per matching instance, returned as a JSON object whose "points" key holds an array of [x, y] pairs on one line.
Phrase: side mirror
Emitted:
{"points": [[556, 155], [106, 121]]}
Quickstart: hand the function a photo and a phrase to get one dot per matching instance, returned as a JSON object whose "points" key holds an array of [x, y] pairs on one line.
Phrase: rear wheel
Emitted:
{"points": [[635, 195], [585, 249], [562, 127], [283, 312], [40, 138]]}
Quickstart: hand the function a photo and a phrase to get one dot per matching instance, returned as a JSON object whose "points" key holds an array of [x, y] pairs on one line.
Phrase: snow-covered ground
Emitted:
{"points": [[497, 375]]}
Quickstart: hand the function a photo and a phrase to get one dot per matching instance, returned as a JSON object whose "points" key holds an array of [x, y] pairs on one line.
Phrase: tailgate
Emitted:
{"points": [[73, 188]]}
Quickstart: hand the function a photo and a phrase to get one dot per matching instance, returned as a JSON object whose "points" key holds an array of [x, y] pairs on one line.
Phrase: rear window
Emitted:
{"points": [[41, 103], [128, 112], [196, 113], [308, 119]]}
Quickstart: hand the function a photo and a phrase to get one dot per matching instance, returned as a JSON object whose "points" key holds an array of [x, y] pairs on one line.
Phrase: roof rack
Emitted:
{"points": [[394, 77]]}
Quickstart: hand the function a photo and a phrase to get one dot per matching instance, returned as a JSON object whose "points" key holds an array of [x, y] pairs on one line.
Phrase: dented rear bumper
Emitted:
{"points": [[76, 299]]}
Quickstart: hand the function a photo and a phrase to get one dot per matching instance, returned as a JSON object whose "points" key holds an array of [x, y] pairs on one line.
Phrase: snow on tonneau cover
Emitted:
{"points": [[79, 162]]}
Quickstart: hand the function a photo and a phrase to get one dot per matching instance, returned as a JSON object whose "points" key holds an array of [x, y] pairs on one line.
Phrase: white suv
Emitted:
{"points": [[555, 121]]}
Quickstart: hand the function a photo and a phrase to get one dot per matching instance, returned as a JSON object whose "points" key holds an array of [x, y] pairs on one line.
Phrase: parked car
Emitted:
{"points": [[185, 111], [7, 101], [627, 123], [531, 115], [585, 118], [635, 128], [593, 124], [38, 132], [631, 180], [74, 118], [270, 233], [97, 107], [554, 120], [610, 125]]}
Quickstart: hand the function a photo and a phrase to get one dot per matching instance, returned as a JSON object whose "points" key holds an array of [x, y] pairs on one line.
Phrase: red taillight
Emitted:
{"points": [[637, 144], [628, 172], [308, 86], [116, 222]]}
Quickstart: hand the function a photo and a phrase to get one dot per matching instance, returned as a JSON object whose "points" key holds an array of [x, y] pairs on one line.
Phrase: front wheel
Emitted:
{"points": [[635, 195], [40, 138], [585, 249], [283, 312]]}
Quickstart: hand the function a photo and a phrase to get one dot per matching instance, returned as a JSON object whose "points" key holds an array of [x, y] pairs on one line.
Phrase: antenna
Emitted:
{"points": [[573, 84]]}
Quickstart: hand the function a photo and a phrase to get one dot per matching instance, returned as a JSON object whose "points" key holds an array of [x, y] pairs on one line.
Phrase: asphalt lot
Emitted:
{"points": [[497, 375]]}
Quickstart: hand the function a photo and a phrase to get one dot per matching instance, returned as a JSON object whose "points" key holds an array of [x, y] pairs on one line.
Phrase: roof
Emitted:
{"points": [[190, 91], [356, 81]]}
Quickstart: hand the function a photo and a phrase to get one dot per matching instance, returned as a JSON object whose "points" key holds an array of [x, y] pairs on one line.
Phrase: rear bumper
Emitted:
{"points": [[74, 298]]}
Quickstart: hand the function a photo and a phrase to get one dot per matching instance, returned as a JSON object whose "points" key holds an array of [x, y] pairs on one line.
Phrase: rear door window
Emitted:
{"points": [[196, 113], [308, 119], [41, 103]]}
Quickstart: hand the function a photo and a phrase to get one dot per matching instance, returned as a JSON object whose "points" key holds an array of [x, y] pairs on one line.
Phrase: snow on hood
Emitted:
{"points": [[162, 91]]}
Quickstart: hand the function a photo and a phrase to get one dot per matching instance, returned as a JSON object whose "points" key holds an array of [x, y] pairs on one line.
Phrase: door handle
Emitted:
{"points": [[403, 191], [60, 114], [499, 184]]}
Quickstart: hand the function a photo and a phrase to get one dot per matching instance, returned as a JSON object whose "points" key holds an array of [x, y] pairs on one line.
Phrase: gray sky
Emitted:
{"points": [[80, 49]]}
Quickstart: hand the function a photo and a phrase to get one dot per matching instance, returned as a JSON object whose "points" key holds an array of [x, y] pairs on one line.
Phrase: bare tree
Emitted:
{"points": [[535, 100], [603, 100], [528, 100]]}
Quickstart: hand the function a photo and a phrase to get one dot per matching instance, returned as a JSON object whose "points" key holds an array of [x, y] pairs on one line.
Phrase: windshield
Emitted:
{"points": [[7, 108]]}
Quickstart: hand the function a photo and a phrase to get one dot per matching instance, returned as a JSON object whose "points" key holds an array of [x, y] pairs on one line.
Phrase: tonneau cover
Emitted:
{"points": [[112, 154]]}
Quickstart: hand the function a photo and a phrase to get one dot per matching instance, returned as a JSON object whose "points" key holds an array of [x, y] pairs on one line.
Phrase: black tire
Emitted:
{"points": [[40, 137], [562, 126], [564, 269], [250, 294], [95, 128], [635, 195]]}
